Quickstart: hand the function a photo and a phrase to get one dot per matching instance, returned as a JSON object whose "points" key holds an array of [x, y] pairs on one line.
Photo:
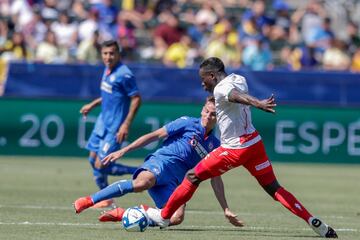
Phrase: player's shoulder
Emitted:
{"points": [[188, 119], [124, 71], [234, 78]]}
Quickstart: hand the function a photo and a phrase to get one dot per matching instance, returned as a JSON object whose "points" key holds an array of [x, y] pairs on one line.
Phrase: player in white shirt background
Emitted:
{"points": [[241, 145]]}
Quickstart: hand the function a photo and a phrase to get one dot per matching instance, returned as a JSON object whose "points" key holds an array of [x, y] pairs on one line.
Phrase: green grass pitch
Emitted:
{"points": [[36, 196]]}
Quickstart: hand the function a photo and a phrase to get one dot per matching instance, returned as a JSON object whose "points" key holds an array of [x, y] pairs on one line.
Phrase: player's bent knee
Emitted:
{"points": [[272, 188], [142, 185], [191, 176]]}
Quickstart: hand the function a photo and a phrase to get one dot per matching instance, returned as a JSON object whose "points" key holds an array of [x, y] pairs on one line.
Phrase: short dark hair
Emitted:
{"points": [[110, 43], [213, 64], [210, 99]]}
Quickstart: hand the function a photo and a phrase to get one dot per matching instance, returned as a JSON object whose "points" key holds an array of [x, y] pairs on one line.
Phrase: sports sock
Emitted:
{"points": [[291, 203], [118, 169], [100, 178], [117, 189], [180, 196]]}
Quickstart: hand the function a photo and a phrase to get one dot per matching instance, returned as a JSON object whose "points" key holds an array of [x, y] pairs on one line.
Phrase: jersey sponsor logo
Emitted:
{"points": [[106, 87], [200, 150], [262, 165], [211, 146]]}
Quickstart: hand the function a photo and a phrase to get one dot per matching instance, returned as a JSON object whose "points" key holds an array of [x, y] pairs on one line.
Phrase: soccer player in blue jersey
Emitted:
{"points": [[120, 100], [188, 140]]}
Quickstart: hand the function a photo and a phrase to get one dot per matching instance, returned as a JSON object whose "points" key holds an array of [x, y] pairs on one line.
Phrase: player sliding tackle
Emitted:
{"points": [[241, 144], [188, 140]]}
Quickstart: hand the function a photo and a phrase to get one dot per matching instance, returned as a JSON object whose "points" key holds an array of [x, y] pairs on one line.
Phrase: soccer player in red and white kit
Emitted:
{"points": [[241, 145]]}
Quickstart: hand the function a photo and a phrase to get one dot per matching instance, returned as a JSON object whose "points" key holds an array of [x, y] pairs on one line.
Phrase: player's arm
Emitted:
{"points": [[124, 127], [266, 105], [138, 143], [88, 107], [218, 187]]}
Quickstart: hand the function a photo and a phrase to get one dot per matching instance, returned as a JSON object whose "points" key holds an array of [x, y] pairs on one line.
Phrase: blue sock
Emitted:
{"points": [[117, 189], [100, 178], [118, 169]]}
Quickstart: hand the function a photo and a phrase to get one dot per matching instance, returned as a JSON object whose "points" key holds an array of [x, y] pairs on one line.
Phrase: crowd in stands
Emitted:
{"points": [[256, 34]]}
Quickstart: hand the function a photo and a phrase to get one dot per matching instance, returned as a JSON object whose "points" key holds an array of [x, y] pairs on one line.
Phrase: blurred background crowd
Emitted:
{"points": [[258, 34]]}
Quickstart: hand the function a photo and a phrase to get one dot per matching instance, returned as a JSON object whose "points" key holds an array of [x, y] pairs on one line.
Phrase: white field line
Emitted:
{"points": [[181, 226], [187, 211]]}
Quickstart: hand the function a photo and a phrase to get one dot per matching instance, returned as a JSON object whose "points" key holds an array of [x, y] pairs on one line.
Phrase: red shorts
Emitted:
{"points": [[221, 160]]}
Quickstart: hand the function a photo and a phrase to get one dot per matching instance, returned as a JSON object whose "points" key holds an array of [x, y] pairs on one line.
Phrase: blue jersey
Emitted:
{"points": [[117, 88], [185, 145]]}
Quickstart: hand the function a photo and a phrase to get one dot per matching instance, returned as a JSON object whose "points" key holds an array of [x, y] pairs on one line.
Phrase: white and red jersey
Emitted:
{"points": [[234, 119]]}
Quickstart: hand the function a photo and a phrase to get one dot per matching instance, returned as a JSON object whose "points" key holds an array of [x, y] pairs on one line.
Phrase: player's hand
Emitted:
{"points": [[232, 217], [85, 110], [268, 104], [112, 157], [123, 132]]}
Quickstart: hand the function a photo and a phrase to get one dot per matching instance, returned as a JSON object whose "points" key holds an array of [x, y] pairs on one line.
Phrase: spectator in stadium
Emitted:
{"points": [[309, 18], [89, 26], [16, 49], [167, 33], [224, 44], [303, 58], [353, 37], [125, 33], [179, 54], [257, 56], [336, 57], [282, 22], [321, 37], [89, 50], [4, 31], [262, 21], [355, 62], [120, 100], [66, 33], [48, 51], [241, 144], [187, 141], [36, 31]]}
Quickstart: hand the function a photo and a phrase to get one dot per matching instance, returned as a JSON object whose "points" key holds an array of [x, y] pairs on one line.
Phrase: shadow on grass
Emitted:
{"points": [[243, 232]]}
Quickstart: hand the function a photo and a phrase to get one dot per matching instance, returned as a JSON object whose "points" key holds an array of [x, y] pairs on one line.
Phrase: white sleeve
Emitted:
{"points": [[224, 88], [222, 92]]}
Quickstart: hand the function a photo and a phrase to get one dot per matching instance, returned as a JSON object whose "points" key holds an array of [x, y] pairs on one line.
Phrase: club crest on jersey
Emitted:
{"points": [[210, 146], [193, 142]]}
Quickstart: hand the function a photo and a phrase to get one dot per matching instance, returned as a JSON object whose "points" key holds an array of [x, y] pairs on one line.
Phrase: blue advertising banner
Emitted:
{"points": [[158, 83]]}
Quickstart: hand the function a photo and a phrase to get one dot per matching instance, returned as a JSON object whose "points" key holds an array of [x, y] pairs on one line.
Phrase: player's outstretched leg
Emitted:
{"points": [[270, 184], [117, 189]]}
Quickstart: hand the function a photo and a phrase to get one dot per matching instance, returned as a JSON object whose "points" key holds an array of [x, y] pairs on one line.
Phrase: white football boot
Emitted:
{"points": [[155, 216], [322, 228]]}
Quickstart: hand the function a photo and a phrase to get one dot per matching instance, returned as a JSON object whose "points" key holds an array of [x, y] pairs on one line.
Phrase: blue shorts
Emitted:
{"points": [[103, 145], [166, 181]]}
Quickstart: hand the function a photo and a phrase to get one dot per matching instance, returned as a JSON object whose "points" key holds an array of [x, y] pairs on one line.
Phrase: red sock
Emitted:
{"points": [[180, 196], [291, 203]]}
